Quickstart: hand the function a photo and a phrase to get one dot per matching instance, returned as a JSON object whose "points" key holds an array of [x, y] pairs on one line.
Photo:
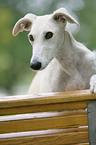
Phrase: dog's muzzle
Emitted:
{"points": [[36, 65]]}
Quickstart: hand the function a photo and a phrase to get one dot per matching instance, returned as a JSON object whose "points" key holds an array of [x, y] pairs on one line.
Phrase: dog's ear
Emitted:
{"points": [[24, 24], [61, 15]]}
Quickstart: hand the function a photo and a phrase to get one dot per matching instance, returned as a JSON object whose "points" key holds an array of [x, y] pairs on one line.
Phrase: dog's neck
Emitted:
{"points": [[70, 53]]}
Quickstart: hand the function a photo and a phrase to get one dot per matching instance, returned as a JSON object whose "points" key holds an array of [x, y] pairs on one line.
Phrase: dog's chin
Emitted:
{"points": [[44, 66]]}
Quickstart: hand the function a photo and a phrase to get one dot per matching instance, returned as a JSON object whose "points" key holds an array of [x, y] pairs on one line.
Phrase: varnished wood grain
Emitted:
{"points": [[43, 132], [51, 121], [46, 102], [42, 108], [40, 117], [73, 136], [49, 98]]}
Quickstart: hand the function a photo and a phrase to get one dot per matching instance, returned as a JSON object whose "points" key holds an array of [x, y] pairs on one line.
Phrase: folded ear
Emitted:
{"points": [[61, 15], [24, 24]]}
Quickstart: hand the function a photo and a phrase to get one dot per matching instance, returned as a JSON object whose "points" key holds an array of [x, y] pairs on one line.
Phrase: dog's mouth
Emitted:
{"points": [[38, 66]]}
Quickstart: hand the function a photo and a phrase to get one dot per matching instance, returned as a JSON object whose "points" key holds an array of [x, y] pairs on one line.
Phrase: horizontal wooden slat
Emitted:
{"points": [[45, 102], [67, 136], [70, 96], [49, 121], [42, 132], [42, 108]]}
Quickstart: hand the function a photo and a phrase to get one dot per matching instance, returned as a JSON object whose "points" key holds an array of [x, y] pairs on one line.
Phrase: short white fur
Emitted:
{"points": [[66, 64]]}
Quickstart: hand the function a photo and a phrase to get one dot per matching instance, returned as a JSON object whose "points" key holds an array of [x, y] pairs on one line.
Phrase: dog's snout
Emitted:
{"points": [[35, 65]]}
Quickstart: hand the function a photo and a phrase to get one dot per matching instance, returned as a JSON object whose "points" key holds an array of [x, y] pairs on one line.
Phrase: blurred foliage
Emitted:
{"points": [[15, 53]]}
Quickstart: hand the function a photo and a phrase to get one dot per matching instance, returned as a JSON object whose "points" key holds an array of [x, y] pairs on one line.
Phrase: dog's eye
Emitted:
{"points": [[31, 38], [48, 35]]}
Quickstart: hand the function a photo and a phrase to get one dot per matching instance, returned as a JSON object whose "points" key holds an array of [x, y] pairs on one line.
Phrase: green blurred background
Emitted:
{"points": [[15, 52]]}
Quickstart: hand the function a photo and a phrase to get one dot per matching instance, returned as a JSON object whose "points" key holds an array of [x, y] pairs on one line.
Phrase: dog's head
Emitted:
{"points": [[46, 35]]}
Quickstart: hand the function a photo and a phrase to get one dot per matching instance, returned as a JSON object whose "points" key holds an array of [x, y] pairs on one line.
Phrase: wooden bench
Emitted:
{"points": [[49, 119]]}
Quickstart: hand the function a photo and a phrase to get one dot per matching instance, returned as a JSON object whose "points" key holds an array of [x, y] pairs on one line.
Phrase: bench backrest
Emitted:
{"points": [[53, 118]]}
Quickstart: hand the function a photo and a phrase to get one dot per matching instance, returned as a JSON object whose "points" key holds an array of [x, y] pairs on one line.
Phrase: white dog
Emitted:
{"points": [[65, 64]]}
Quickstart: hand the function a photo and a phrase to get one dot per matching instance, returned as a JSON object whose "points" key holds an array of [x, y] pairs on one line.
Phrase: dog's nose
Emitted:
{"points": [[35, 65]]}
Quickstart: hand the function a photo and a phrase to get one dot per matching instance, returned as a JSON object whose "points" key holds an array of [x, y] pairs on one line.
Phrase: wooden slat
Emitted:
{"points": [[50, 121], [42, 132], [42, 108], [70, 96], [72, 136], [45, 102]]}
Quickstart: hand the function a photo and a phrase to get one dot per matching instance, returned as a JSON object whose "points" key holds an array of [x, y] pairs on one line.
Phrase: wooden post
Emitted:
{"points": [[91, 105]]}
